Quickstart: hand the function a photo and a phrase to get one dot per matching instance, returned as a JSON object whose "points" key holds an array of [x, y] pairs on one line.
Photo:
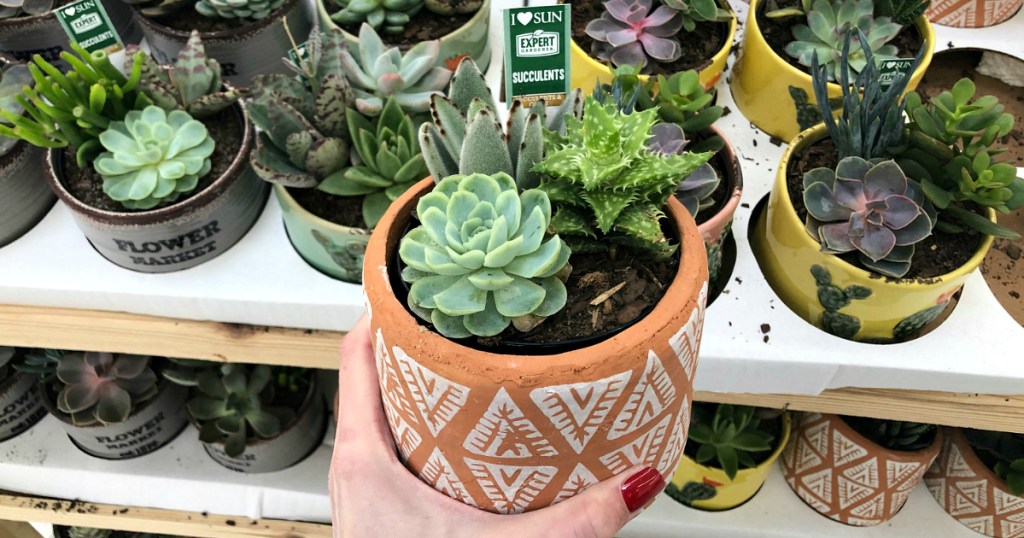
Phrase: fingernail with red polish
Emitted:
{"points": [[641, 488]]}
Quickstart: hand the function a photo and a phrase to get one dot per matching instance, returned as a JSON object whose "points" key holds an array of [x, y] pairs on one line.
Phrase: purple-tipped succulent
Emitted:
{"points": [[870, 208], [696, 189], [630, 33], [103, 387]]}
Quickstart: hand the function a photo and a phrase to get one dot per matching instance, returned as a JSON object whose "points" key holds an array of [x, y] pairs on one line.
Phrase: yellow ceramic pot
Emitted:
{"points": [[709, 488], [587, 71], [777, 97], [834, 295]]}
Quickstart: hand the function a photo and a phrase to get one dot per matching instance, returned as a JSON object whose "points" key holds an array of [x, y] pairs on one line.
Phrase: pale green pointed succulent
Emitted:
{"points": [[391, 15], [14, 77], [153, 157], [380, 73], [828, 24], [479, 260], [238, 9]]}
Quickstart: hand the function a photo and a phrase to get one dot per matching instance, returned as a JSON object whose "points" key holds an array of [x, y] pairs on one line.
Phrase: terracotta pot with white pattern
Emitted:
{"points": [[970, 492], [845, 476], [509, 433]]}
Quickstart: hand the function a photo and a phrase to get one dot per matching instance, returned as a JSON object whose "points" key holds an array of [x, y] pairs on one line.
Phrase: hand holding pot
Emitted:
{"points": [[373, 494]]}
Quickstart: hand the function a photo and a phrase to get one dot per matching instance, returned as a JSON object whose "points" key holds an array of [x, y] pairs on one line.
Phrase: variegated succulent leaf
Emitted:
{"points": [[103, 388], [193, 83], [633, 32]]}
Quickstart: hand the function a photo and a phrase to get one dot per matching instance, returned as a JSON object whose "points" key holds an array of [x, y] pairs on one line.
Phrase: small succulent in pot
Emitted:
{"points": [[13, 79], [88, 532], [696, 189], [868, 208], [103, 388], [391, 15], [238, 9], [694, 11], [453, 7], [894, 434], [634, 32], [15, 8], [726, 435], [1003, 452]]}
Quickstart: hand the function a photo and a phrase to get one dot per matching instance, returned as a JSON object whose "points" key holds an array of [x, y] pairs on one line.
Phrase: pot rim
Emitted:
{"points": [[13, 378], [785, 210], [305, 214], [915, 455], [51, 407], [162, 214], [249, 26], [787, 429], [482, 14], [955, 436], [718, 221]]}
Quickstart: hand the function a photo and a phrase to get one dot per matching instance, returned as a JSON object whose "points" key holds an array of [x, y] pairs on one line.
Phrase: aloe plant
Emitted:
{"points": [[635, 32], [103, 388], [726, 436], [1005, 451], [828, 24]]}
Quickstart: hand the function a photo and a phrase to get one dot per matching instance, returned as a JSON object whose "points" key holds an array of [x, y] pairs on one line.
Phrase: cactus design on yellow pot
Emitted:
{"points": [[833, 298]]}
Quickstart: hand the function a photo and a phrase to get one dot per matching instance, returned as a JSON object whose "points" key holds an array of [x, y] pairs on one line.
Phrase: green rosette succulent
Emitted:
{"points": [[479, 260], [153, 157], [238, 9], [103, 388], [828, 24], [391, 15]]}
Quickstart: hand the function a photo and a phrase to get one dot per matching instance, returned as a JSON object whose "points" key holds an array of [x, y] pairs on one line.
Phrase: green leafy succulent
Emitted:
{"points": [[726, 436], [1006, 450], [238, 9], [693, 11], [903, 12], [41, 362], [479, 259], [894, 434], [14, 78], [391, 15], [103, 388], [829, 22]]}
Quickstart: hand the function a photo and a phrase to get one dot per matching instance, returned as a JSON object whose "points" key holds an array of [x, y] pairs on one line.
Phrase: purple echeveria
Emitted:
{"points": [[869, 208], [628, 33], [696, 189]]}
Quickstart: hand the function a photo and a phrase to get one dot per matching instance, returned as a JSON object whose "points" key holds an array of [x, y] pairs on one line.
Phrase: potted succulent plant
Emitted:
{"points": [[978, 478], [28, 28], [856, 470], [461, 27], [21, 405], [60, 531], [972, 13], [664, 37], [329, 201], [24, 197], [246, 37], [456, 301], [111, 405], [729, 454], [873, 249], [772, 83], [253, 418], [152, 165]]}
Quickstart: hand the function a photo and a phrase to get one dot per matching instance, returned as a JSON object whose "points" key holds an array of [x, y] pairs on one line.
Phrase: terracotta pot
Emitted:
{"points": [[716, 229], [836, 296], [471, 39], [845, 476], [21, 404], [331, 248], [178, 236], [509, 434], [972, 13], [970, 492], [777, 97], [22, 37], [24, 196], [253, 48]]}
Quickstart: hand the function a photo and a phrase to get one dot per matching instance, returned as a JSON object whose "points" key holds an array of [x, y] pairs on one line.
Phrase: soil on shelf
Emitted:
{"points": [[864, 426], [698, 46], [188, 19], [86, 185], [424, 26], [936, 255], [779, 32], [341, 210]]}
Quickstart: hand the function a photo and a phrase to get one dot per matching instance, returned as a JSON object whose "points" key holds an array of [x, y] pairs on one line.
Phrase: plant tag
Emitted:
{"points": [[889, 71], [537, 54], [87, 23], [299, 54]]}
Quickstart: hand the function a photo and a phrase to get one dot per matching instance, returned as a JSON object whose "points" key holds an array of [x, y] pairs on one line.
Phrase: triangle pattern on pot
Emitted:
{"points": [[651, 395], [406, 437], [872, 510], [972, 492], [903, 475], [437, 398], [937, 487], [670, 457], [845, 450], [817, 435], [580, 479], [511, 488], [956, 464], [686, 341], [1011, 529], [865, 474], [642, 451], [983, 524], [851, 492], [818, 485], [577, 409], [1004, 502], [504, 432], [396, 401], [438, 473], [897, 499]]}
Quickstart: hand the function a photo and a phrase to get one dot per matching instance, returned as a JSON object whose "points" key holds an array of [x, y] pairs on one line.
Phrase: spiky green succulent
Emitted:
{"points": [[479, 259], [153, 157], [726, 435], [14, 78], [894, 434], [103, 388], [828, 24], [453, 7], [303, 135], [379, 73], [606, 185], [466, 137], [238, 9], [14, 8], [391, 15], [192, 84]]}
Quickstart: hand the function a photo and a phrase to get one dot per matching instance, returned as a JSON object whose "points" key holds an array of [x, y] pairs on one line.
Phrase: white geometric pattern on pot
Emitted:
{"points": [[1005, 502], [577, 409], [670, 458], [957, 466], [1011, 529], [504, 432], [904, 475], [642, 451], [817, 486], [438, 473], [846, 450], [407, 438], [984, 524], [511, 488], [653, 393], [438, 398], [969, 496], [580, 479], [686, 341], [395, 398]]}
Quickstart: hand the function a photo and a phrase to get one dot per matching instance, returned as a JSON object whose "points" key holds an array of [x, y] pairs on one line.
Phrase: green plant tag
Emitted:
{"points": [[537, 54], [87, 23], [889, 71]]}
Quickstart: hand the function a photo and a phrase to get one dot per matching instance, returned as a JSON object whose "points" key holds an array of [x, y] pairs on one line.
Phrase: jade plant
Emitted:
{"points": [[103, 388], [635, 32], [828, 24], [378, 73], [480, 259], [13, 79], [727, 436], [1004, 453], [894, 434]]}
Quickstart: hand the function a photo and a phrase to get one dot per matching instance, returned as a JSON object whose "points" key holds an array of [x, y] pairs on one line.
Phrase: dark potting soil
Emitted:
{"points": [[698, 46], [424, 26], [343, 210], [772, 426], [936, 255], [779, 32], [189, 19], [866, 427], [226, 129]]}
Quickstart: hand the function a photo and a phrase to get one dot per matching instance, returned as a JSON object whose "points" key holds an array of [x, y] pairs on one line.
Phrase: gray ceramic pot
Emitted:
{"points": [[178, 236], [244, 52], [151, 426], [292, 445], [22, 37], [24, 197], [21, 404]]}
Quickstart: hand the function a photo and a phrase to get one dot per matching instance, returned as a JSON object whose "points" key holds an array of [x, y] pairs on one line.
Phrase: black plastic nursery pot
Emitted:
{"points": [[24, 196], [178, 236], [23, 37], [251, 48], [21, 404]]}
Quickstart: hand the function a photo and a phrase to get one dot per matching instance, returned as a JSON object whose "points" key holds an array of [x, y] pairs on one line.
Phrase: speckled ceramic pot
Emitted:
{"points": [[331, 248], [717, 228], [22, 37], [183, 234], [508, 434], [254, 48], [24, 197], [972, 13], [21, 404]]}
